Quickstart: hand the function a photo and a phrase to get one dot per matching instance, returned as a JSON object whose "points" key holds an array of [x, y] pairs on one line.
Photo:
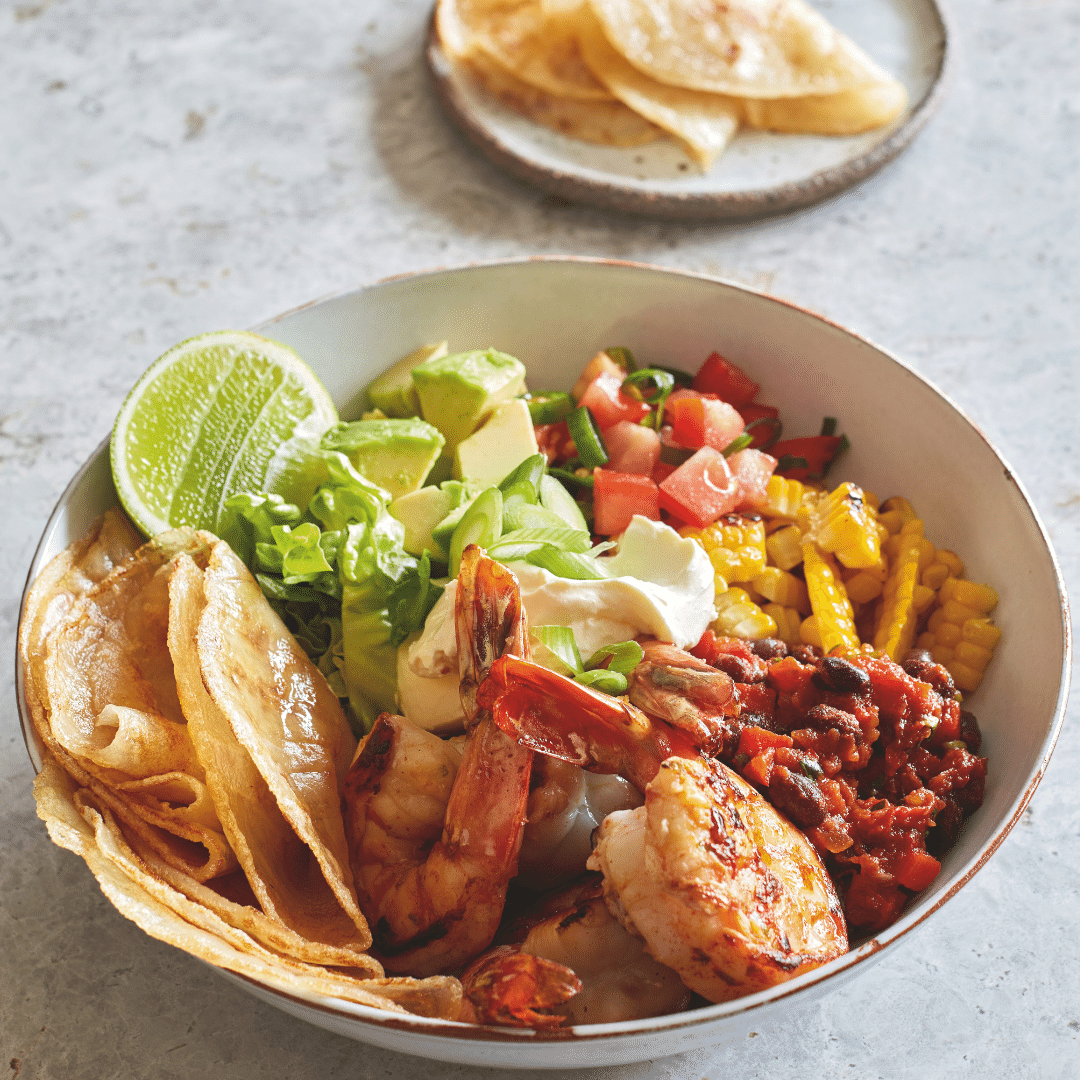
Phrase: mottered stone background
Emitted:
{"points": [[171, 168]]}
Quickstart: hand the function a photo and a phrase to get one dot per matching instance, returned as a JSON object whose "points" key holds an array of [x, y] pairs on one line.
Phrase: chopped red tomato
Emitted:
{"points": [[701, 489], [617, 497], [699, 421], [600, 364], [608, 404], [758, 770], [632, 448], [916, 870], [752, 468], [818, 450], [725, 379]]}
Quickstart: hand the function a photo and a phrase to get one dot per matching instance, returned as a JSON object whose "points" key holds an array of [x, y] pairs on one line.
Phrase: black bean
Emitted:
{"points": [[740, 670], [841, 675], [798, 797], [917, 654], [969, 731], [946, 828], [934, 674], [825, 718], [769, 648], [805, 654]]}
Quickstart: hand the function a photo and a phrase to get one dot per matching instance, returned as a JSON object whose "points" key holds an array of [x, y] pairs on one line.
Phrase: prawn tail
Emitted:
{"points": [[512, 988], [490, 622]]}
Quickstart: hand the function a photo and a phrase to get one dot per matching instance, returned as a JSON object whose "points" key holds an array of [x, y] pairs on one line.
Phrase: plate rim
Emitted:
{"points": [[741, 205], [819, 977]]}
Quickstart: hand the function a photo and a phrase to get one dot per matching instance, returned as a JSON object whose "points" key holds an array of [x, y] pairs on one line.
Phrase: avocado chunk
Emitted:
{"points": [[393, 392], [502, 444], [458, 393], [420, 511], [395, 454]]}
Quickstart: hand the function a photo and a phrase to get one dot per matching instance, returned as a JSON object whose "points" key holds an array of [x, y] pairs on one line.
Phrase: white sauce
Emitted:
{"points": [[662, 586]]}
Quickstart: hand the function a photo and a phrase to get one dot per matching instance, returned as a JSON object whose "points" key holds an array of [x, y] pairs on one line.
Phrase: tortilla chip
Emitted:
{"points": [[704, 123], [538, 45], [283, 713], [606, 123], [112, 712], [75, 822], [849, 112], [303, 917], [746, 48]]}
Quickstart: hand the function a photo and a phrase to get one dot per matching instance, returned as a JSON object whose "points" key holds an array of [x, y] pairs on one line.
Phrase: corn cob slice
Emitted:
{"points": [[896, 625], [959, 634], [782, 498], [829, 601], [843, 525], [780, 587], [735, 546], [738, 616]]}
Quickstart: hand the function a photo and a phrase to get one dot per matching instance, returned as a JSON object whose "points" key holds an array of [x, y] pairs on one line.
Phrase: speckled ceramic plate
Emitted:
{"points": [[760, 173], [906, 438]]}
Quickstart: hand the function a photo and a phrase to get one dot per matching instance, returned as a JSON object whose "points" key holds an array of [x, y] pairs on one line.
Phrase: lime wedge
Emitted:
{"points": [[218, 414]]}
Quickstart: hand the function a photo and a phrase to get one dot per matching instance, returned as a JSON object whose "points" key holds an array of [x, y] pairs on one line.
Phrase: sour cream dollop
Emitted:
{"points": [[661, 586]]}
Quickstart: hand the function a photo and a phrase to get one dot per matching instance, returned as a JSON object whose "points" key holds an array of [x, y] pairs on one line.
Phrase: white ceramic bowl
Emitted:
{"points": [[906, 437]]}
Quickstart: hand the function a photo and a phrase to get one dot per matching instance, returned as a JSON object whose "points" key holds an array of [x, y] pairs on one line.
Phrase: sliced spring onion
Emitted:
{"points": [[507, 551], [828, 425], [565, 539], [845, 444], [651, 385], [675, 455], [811, 769], [525, 478], [481, 524], [740, 443], [560, 641], [549, 406], [554, 497], [791, 461], [623, 657], [770, 421], [568, 477], [608, 682], [622, 356], [567, 564], [682, 378], [518, 514], [587, 439]]}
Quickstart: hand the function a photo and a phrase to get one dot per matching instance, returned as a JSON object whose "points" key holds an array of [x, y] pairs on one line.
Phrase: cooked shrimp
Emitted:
{"points": [[720, 886], [434, 846]]}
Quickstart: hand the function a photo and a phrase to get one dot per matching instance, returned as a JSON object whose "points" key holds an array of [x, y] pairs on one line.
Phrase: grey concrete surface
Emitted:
{"points": [[171, 168]]}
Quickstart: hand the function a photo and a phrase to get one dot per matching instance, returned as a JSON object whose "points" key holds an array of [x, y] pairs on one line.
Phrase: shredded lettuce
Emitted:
{"points": [[330, 573]]}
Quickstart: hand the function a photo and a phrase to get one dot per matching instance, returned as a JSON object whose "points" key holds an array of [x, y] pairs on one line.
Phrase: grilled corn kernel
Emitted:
{"points": [[780, 587], [863, 587], [782, 498], [843, 525], [922, 598], [784, 547], [952, 561], [926, 640], [829, 601], [965, 677], [955, 612], [942, 654], [933, 577], [981, 632], [972, 655], [901, 504], [787, 620], [980, 598], [735, 546], [948, 634], [738, 616], [809, 634]]}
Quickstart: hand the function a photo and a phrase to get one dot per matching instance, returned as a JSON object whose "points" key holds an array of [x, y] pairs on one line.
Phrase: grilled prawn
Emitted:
{"points": [[434, 838], [720, 886]]}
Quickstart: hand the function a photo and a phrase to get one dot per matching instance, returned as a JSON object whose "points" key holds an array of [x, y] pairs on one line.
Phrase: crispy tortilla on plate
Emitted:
{"points": [[746, 48]]}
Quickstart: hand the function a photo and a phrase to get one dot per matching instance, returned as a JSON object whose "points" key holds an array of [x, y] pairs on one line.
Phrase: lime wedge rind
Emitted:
{"points": [[215, 411]]}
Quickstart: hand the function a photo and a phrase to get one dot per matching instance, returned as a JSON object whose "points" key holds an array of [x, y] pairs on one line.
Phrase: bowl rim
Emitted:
{"points": [[873, 946]]}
